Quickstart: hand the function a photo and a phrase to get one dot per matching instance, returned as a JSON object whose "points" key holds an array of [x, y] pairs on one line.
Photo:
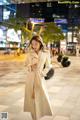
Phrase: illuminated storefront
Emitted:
{"points": [[3, 36], [13, 38], [9, 38]]}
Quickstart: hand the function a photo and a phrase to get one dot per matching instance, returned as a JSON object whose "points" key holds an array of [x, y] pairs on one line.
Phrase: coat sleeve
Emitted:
{"points": [[44, 58], [47, 64], [27, 63], [31, 59]]}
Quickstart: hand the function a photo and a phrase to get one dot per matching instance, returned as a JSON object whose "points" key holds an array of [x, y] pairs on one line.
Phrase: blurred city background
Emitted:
{"points": [[58, 22], [20, 20]]}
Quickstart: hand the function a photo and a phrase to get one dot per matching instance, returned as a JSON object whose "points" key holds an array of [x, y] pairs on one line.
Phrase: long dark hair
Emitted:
{"points": [[38, 39]]}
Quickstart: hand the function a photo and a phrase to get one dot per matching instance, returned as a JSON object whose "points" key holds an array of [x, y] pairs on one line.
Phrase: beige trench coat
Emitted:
{"points": [[38, 103]]}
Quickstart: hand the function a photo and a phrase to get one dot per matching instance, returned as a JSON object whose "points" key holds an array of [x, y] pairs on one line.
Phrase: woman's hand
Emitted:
{"points": [[34, 66]]}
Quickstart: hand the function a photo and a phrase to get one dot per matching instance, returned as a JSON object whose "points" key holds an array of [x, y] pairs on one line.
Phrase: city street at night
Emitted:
{"points": [[63, 90], [39, 54]]}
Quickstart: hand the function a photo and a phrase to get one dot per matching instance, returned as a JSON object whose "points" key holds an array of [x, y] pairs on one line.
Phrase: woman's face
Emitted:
{"points": [[35, 45]]}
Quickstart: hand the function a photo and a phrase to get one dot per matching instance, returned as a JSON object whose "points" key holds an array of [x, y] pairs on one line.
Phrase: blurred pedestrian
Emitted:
{"points": [[18, 51], [36, 99], [77, 50]]}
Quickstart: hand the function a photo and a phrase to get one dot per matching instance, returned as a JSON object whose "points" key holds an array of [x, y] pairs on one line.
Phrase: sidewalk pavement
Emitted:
{"points": [[63, 90], [12, 57]]}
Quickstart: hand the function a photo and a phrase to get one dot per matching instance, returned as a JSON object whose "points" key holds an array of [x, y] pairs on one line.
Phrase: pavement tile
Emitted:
{"points": [[61, 118], [64, 111], [58, 102], [20, 116], [46, 118], [14, 109], [63, 89], [54, 89], [75, 117], [19, 102], [3, 107], [69, 104]]}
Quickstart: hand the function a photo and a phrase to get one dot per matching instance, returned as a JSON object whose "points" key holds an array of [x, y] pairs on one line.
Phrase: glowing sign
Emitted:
{"points": [[37, 20], [60, 21]]}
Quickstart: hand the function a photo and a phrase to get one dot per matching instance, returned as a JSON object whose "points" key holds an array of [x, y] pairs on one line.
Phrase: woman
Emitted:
{"points": [[36, 99]]}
